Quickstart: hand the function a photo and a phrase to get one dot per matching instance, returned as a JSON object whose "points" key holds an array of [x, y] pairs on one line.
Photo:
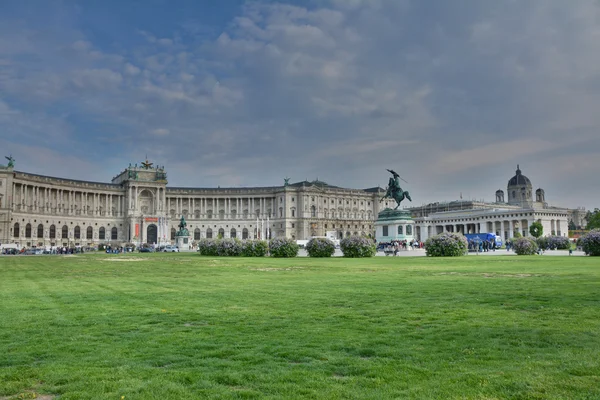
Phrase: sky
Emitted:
{"points": [[450, 94]]}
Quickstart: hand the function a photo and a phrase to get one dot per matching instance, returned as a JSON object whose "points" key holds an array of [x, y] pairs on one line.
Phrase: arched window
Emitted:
{"points": [[514, 194], [233, 214], [77, 233], [197, 214], [65, 232], [28, 231], [209, 214], [280, 212], [232, 233], [245, 233], [196, 234], [293, 210], [209, 233], [313, 211], [347, 234], [52, 232], [102, 233], [221, 214], [114, 233], [221, 233], [90, 233], [246, 213], [400, 230], [16, 230], [173, 231], [184, 213], [40, 231], [172, 212], [409, 229]]}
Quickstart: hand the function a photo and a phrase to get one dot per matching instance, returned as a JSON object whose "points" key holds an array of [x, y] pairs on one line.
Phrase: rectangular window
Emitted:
{"points": [[385, 230]]}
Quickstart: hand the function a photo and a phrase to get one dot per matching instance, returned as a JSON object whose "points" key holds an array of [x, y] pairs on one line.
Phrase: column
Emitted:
{"points": [[502, 230], [511, 229]]}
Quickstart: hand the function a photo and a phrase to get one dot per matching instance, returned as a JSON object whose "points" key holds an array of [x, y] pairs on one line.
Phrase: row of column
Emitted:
{"points": [[159, 200], [42, 198], [58, 233], [214, 204], [509, 226]]}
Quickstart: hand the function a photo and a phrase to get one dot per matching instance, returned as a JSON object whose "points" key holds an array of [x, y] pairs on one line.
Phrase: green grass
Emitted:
{"points": [[181, 326]]}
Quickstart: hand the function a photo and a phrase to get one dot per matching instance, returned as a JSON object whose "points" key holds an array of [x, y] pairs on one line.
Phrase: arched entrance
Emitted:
{"points": [[152, 234]]}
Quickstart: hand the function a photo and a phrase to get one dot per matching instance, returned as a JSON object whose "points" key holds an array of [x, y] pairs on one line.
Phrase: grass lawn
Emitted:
{"points": [[181, 326]]}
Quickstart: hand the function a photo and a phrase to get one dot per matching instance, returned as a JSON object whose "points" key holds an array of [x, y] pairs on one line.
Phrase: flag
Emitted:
{"points": [[461, 195]]}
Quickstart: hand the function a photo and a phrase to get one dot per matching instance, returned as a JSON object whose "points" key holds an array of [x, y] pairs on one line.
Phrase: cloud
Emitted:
{"points": [[160, 132], [330, 88]]}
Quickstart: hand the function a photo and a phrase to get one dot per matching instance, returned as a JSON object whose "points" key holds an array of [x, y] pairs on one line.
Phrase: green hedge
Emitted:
{"points": [[446, 244], [358, 247], [320, 247], [283, 248]]}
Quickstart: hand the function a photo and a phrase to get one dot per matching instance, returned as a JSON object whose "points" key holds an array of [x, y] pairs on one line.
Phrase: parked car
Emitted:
{"points": [[171, 249], [146, 250]]}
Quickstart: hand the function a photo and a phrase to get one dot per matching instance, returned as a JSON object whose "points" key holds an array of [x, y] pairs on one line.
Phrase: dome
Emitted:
{"points": [[519, 179]]}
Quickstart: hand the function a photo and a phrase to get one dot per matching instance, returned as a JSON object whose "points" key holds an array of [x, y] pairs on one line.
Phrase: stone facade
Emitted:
{"points": [[138, 206], [502, 218]]}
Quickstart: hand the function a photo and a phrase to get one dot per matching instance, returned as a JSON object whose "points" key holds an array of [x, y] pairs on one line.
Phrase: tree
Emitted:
{"points": [[593, 219], [536, 229], [572, 225]]}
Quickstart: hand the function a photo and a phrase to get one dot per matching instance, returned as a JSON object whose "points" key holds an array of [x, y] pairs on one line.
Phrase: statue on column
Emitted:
{"points": [[394, 191]]}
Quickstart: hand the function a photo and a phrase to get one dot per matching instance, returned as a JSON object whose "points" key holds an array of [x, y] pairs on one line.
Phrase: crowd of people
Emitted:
{"points": [[394, 246], [483, 245]]}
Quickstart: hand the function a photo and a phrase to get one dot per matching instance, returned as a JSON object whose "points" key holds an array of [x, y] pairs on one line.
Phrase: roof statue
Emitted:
{"points": [[147, 164], [286, 181], [11, 161], [394, 191]]}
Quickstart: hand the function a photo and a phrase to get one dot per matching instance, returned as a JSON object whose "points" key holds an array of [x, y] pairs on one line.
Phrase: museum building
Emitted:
{"points": [[507, 215], [138, 206]]}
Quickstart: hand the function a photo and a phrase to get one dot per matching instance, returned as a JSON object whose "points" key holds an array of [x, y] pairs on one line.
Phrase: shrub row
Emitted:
{"points": [[554, 242], [446, 244], [232, 247], [354, 246], [590, 243], [357, 246], [283, 248], [525, 246], [320, 247]]}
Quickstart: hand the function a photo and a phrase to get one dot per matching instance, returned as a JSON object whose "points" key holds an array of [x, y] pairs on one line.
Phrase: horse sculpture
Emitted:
{"points": [[394, 191]]}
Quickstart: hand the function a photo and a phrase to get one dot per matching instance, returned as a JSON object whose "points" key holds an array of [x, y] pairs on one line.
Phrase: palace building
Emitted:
{"points": [[138, 206]]}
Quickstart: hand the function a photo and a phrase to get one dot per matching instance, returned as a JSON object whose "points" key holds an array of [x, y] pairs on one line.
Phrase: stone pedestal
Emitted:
{"points": [[183, 242], [394, 225]]}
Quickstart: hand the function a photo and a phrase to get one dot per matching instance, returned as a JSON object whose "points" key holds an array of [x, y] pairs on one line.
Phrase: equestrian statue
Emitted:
{"points": [[394, 191]]}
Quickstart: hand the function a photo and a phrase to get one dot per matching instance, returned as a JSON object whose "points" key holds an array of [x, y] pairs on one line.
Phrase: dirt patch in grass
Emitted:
{"points": [[124, 259], [276, 269], [491, 275], [29, 395]]}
